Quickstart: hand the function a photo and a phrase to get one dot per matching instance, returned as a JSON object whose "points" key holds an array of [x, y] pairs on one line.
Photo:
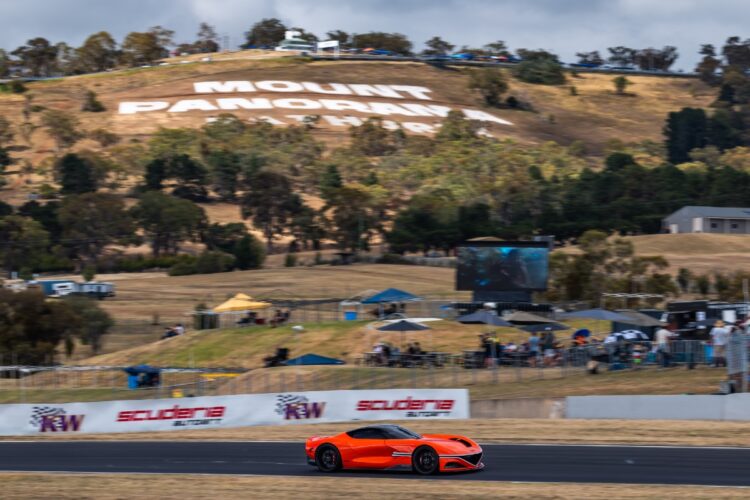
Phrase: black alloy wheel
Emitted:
{"points": [[425, 461], [327, 458]]}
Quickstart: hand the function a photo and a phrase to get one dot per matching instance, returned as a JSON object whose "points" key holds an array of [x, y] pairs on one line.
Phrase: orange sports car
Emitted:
{"points": [[394, 448]]}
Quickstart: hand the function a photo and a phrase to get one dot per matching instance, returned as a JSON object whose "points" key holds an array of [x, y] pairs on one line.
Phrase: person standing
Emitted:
{"points": [[662, 338], [548, 344], [533, 349], [719, 336]]}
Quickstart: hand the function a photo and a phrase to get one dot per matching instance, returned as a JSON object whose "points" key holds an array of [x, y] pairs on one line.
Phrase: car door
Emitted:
{"points": [[368, 449]]}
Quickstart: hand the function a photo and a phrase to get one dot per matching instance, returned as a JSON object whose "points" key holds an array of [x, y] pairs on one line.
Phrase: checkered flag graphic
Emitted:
{"points": [[282, 400], [39, 412]]}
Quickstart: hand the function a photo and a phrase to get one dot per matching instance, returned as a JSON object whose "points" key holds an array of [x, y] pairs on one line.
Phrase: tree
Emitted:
{"points": [[394, 42], [66, 61], [456, 127], [266, 32], [621, 83], [167, 221], [98, 53], [140, 49], [22, 242], [191, 176], [736, 52], [94, 322], [164, 38], [104, 137], [498, 48], [92, 221], [249, 253], [685, 130], [708, 65], [32, 327], [354, 217], [490, 83], [340, 36], [684, 277], [6, 131], [5, 64], [62, 127], [207, 39], [651, 59], [38, 56], [372, 139], [621, 56], [590, 58], [436, 46], [225, 167], [91, 103], [539, 66], [76, 174], [271, 203]]}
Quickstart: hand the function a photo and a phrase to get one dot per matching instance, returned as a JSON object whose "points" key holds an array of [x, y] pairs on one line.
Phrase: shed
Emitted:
{"points": [[698, 219]]}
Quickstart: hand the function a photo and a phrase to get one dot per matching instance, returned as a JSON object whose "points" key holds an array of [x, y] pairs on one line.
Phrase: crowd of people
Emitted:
{"points": [[386, 354]]}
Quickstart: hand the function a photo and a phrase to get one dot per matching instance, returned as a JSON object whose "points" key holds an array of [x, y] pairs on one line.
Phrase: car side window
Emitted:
{"points": [[367, 434]]}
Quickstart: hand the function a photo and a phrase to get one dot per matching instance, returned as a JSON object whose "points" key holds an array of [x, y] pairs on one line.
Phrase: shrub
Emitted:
{"points": [[543, 70], [290, 260], [214, 262], [91, 103]]}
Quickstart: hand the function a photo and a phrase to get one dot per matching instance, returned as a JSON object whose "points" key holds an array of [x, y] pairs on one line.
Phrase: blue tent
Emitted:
{"points": [[314, 359], [390, 295]]}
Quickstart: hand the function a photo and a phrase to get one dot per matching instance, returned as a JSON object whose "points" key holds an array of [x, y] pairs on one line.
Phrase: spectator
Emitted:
{"points": [[533, 349], [179, 329], [662, 337], [719, 336], [169, 333], [548, 344]]}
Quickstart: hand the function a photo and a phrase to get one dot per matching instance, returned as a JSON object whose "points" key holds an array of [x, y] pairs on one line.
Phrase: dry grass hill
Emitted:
{"points": [[593, 113]]}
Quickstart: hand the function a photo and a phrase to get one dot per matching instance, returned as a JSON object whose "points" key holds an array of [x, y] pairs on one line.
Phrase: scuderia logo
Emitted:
{"points": [[179, 416]]}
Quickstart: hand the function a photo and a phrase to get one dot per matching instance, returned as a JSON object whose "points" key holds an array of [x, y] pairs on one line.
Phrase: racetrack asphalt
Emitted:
{"points": [[542, 463]]}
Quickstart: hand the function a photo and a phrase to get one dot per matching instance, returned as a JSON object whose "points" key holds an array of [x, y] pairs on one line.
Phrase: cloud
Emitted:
{"points": [[565, 27]]}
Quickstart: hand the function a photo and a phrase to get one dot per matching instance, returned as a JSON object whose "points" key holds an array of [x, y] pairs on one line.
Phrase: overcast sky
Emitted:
{"points": [[563, 26]]}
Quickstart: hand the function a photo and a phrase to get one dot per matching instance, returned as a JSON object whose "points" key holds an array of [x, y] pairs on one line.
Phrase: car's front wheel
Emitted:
{"points": [[328, 458], [425, 461]]}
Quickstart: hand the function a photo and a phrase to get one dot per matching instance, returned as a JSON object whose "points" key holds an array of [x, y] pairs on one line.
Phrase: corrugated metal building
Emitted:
{"points": [[692, 219]]}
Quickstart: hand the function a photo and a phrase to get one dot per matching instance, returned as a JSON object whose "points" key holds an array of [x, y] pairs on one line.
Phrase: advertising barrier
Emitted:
{"points": [[233, 411]]}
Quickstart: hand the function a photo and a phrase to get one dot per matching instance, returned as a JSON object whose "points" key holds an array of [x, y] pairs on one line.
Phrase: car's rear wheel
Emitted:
{"points": [[425, 461], [328, 458]]}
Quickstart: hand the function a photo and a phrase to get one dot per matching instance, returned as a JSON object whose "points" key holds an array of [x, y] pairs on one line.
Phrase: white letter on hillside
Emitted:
{"points": [[419, 128], [418, 92], [297, 104], [279, 86], [192, 105], [343, 121], [343, 105], [428, 110], [475, 114], [386, 108], [336, 88], [231, 103], [131, 108], [375, 90], [223, 87]]}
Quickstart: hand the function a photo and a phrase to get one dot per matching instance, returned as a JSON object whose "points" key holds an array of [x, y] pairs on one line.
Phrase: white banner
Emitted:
{"points": [[233, 411]]}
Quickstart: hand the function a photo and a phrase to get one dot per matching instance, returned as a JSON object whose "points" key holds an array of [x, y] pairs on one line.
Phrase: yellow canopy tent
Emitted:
{"points": [[241, 302]]}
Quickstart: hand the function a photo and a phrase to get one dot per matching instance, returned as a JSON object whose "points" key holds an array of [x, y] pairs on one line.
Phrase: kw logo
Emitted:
{"points": [[61, 423], [293, 407], [49, 419]]}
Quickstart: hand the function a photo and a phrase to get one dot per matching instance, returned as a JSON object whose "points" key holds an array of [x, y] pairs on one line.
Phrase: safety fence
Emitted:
{"points": [[471, 369]]}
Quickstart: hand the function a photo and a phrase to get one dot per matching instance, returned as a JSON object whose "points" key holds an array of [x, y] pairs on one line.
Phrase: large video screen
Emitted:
{"points": [[502, 266]]}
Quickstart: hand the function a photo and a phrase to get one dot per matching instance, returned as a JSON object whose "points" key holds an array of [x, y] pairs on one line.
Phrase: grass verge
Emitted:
{"points": [[168, 486]]}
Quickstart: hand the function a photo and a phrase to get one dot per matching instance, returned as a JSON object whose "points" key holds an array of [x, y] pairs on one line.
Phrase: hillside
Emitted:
{"points": [[141, 100]]}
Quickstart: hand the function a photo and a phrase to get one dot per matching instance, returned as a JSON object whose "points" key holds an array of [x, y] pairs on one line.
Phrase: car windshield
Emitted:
{"points": [[396, 432]]}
